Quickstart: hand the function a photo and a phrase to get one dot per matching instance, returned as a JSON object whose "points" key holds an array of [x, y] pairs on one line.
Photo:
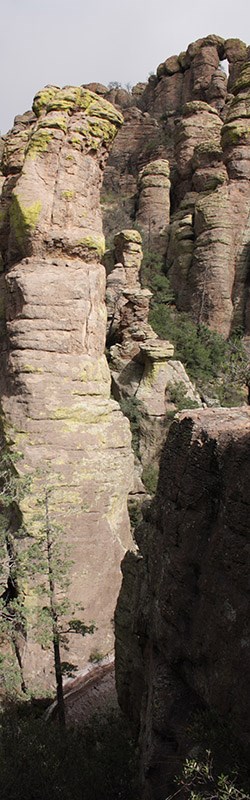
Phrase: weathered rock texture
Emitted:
{"points": [[182, 621], [55, 383], [154, 204], [141, 364], [191, 115]]}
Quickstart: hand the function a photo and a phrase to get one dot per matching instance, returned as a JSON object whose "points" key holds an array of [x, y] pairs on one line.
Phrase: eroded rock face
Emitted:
{"points": [[55, 382], [154, 204], [191, 115], [141, 364], [208, 258], [182, 622]]}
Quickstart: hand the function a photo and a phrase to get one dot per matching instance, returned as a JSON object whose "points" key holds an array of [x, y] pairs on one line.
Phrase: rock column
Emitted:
{"points": [[56, 409]]}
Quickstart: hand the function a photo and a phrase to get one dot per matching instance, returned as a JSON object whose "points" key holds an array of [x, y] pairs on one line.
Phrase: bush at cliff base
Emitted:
{"points": [[95, 763]]}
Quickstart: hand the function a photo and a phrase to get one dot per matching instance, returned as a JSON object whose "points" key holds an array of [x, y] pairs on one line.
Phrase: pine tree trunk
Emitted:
{"points": [[54, 618]]}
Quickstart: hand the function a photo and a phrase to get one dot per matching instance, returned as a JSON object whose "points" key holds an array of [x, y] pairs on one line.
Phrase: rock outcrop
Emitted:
{"points": [[182, 621], [154, 204], [196, 118], [141, 364], [209, 271], [56, 409]]}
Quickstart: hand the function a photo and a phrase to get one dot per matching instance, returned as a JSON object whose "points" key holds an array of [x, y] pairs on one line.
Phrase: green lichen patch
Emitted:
{"points": [[239, 108], [93, 132], [68, 194], [73, 98], [29, 369], [42, 99], [234, 133], [102, 119], [77, 415], [96, 371], [206, 154], [101, 129], [76, 141], [158, 167], [128, 236], [157, 181], [23, 219], [243, 81], [95, 243], [39, 142], [54, 121], [105, 110], [196, 106], [65, 100]]}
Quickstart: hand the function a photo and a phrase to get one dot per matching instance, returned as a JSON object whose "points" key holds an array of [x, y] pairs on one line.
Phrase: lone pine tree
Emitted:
{"points": [[41, 562]]}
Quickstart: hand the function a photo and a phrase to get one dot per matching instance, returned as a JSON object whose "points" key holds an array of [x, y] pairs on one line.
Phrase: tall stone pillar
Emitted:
{"points": [[56, 409]]}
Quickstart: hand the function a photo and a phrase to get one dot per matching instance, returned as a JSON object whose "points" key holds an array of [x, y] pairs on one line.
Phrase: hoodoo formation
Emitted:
{"points": [[192, 116], [56, 409], [99, 332]]}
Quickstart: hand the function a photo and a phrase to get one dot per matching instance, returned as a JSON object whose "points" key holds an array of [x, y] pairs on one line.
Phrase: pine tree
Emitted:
{"points": [[42, 562]]}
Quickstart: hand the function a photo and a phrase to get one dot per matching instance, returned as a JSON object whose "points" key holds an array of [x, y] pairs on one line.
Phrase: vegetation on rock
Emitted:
{"points": [[215, 767], [39, 570], [132, 409], [96, 763], [220, 368]]}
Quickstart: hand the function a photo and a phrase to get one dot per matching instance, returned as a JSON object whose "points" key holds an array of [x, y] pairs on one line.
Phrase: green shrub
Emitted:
{"points": [[199, 781], [152, 276], [134, 510], [216, 761], [150, 478], [178, 395], [216, 365], [213, 363], [95, 763], [95, 657], [132, 409]]}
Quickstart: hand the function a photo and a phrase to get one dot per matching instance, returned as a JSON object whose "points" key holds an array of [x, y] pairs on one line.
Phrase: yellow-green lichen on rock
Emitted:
{"points": [[243, 81], [82, 415], [158, 167], [94, 371], [196, 107], [39, 142], [23, 219], [128, 236], [94, 242], [42, 98], [61, 416], [101, 119], [234, 133], [239, 107], [54, 121], [68, 194]]}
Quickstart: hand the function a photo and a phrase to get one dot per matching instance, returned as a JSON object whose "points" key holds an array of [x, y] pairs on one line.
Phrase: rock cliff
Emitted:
{"points": [[191, 114], [179, 172], [182, 622], [56, 410], [142, 365]]}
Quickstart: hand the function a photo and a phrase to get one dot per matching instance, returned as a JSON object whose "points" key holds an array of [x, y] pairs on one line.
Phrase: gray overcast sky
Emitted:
{"points": [[78, 41]]}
